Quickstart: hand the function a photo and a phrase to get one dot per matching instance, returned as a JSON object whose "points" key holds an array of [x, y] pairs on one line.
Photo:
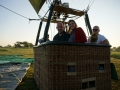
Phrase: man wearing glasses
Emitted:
{"points": [[101, 39]]}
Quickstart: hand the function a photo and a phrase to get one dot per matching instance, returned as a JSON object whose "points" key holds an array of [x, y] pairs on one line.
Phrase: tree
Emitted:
{"points": [[23, 44], [113, 49], [26, 44], [118, 49], [30, 44], [17, 44], [8, 45]]}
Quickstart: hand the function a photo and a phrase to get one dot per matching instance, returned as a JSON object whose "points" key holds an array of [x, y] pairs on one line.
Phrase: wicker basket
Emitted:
{"points": [[72, 66]]}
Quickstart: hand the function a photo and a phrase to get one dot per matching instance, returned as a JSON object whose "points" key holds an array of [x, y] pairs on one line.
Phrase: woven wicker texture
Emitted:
{"points": [[90, 67]]}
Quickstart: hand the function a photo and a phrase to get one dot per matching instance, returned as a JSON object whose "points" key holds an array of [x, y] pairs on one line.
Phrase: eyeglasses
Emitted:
{"points": [[95, 29]]}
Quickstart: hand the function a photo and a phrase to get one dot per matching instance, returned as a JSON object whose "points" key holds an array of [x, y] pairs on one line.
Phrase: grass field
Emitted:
{"points": [[115, 55], [116, 83], [28, 82], [25, 52]]}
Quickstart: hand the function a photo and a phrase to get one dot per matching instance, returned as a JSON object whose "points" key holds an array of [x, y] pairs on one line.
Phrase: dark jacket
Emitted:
{"points": [[63, 37]]}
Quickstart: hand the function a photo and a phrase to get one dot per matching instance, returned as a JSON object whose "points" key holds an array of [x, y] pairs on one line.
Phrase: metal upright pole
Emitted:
{"points": [[38, 34], [48, 21], [88, 23]]}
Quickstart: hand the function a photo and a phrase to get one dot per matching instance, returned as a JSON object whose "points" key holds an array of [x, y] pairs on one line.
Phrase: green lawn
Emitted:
{"points": [[116, 83], [28, 82]]}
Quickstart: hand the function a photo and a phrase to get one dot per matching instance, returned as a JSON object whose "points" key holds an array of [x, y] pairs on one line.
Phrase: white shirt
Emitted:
{"points": [[101, 38]]}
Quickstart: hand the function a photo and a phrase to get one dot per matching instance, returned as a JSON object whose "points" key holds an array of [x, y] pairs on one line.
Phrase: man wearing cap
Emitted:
{"points": [[101, 39]]}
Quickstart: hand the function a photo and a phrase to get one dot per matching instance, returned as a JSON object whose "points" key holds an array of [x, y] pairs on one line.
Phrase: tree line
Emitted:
{"points": [[19, 44], [26, 44], [115, 49]]}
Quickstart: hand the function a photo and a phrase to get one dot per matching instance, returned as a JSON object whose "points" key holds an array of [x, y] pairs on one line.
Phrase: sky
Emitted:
{"points": [[13, 27]]}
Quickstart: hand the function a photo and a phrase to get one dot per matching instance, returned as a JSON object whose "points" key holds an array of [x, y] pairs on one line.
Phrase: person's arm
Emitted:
{"points": [[104, 42], [55, 38], [67, 36], [40, 40]]}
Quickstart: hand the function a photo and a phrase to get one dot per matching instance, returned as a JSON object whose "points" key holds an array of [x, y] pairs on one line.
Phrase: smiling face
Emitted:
{"points": [[96, 29], [72, 24], [60, 27]]}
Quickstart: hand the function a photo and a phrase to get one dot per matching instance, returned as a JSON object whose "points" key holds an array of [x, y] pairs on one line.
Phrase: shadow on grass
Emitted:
{"points": [[28, 82]]}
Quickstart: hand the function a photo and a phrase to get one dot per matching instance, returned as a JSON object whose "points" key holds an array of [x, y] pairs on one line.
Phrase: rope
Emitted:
{"points": [[18, 14], [14, 12], [89, 5]]}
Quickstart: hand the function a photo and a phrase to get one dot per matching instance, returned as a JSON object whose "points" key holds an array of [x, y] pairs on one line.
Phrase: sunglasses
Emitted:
{"points": [[95, 29]]}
